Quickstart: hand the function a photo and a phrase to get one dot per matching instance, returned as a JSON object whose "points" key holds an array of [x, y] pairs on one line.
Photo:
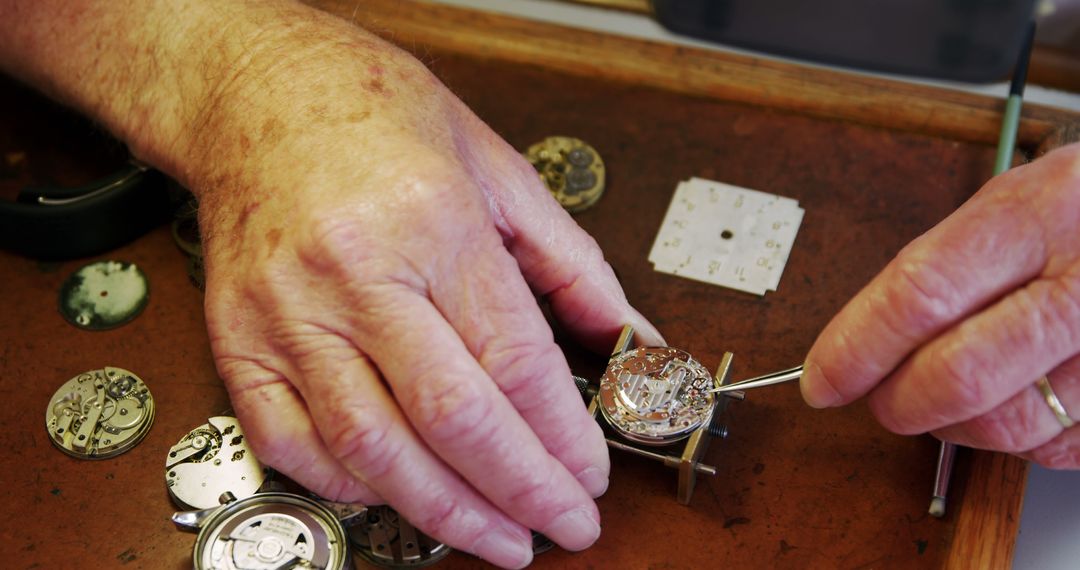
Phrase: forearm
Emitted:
{"points": [[174, 80]]}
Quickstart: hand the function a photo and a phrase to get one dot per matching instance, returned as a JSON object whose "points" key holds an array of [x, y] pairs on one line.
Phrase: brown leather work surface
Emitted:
{"points": [[796, 488]]}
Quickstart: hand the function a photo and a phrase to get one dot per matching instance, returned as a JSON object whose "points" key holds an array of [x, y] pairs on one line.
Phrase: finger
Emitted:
{"points": [[955, 269], [965, 372], [1025, 421], [462, 415], [282, 435], [499, 321], [558, 258], [277, 422], [1062, 452], [363, 427]]}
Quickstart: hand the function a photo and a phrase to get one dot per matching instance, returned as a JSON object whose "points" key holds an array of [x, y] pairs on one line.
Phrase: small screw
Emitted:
{"points": [[719, 431]]}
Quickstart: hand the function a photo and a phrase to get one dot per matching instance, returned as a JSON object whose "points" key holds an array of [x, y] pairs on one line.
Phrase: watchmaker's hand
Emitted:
{"points": [[370, 247], [369, 264], [952, 335]]}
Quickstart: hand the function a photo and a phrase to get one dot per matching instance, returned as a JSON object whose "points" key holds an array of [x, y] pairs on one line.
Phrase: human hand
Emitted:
{"points": [[370, 247], [952, 335]]}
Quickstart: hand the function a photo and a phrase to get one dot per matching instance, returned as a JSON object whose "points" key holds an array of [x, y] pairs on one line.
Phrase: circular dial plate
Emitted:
{"points": [[656, 395], [211, 460], [104, 295], [100, 413]]}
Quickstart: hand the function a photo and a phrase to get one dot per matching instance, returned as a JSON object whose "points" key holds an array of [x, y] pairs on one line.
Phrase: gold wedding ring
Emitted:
{"points": [[1043, 384]]}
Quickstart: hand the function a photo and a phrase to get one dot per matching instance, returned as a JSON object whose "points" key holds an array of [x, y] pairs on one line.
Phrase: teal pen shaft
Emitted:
{"points": [[1009, 125]]}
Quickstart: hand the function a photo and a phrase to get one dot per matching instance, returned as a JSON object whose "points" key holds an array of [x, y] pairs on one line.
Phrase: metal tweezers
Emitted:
{"points": [[760, 381]]}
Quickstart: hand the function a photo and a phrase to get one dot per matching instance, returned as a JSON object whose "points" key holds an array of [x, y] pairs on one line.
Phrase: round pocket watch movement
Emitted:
{"points": [[385, 539], [100, 413], [211, 460], [656, 395], [658, 402], [571, 169]]}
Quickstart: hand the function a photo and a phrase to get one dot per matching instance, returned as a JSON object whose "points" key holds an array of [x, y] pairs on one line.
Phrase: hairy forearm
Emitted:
{"points": [[130, 66], [175, 80]]}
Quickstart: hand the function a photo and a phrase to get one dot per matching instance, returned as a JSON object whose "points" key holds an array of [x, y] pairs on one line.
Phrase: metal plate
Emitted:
{"points": [[385, 539], [571, 169], [104, 295], [270, 531], [656, 395], [100, 413], [211, 460]]}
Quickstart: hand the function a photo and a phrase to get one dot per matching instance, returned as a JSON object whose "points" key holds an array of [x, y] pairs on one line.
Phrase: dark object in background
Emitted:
{"points": [[962, 40], [54, 223]]}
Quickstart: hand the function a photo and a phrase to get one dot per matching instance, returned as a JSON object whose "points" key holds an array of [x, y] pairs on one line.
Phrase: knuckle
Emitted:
{"points": [[302, 339], [1061, 311], [1070, 155], [361, 438], [436, 187], [243, 375], [921, 291], [533, 493], [275, 450], [587, 435], [456, 412], [884, 412], [1009, 428], [1058, 454], [345, 489], [522, 371], [335, 243], [444, 519], [964, 376]]}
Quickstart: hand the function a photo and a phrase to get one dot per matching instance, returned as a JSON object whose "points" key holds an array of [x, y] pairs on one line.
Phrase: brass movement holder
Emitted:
{"points": [[688, 460]]}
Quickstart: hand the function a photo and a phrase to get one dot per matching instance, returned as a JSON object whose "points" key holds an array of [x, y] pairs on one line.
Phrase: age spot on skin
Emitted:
{"points": [[272, 130], [241, 222], [375, 86], [358, 117], [273, 239]]}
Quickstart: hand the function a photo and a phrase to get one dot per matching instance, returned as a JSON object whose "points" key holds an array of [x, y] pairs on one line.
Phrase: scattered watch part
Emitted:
{"points": [[186, 234], [211, 460], [583, 387], [656, 395], [267, 531], [385, 539], [185, 231], [572, 170], [541, 543], [100, 413], [196, 272], [104, 295]]}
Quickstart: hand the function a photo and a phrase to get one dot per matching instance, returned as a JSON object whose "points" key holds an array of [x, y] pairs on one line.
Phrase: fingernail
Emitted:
{"points": [[502, 548], [815, 389], [595, 481], [575, 530]]}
